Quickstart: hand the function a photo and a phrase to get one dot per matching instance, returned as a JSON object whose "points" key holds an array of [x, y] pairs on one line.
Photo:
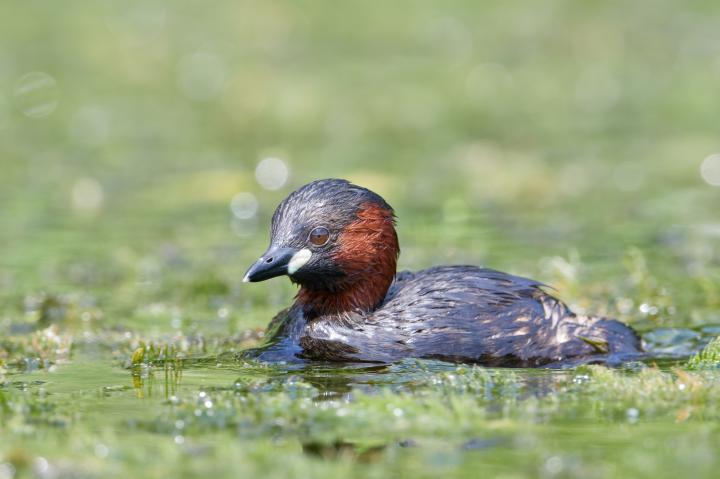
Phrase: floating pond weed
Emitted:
{"points": [[36, 350], [708, 358]]}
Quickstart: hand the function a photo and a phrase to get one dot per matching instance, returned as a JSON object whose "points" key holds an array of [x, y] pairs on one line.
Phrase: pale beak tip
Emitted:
{"points": [[246, 279]]}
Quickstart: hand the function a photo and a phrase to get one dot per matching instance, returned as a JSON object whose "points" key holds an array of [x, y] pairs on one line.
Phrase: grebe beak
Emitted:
{"points": [[274, 262]]}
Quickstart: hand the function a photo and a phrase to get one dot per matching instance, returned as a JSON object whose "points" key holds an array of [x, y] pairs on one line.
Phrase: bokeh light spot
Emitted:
{"points": [[272, 173], [710, 170], [36, 94], [101, 451]]}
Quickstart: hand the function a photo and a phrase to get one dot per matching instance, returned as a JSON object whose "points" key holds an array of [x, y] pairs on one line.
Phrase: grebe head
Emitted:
{"points": [[338, 241]]}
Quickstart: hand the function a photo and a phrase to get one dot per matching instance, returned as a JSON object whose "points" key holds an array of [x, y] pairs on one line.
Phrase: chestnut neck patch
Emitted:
{"points": [[367, 254]]}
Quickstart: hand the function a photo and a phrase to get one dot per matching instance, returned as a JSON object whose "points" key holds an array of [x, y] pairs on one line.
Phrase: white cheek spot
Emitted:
{"points": [[298, 260]]}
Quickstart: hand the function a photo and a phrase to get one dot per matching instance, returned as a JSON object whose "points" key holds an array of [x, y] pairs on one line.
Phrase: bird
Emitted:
{"points": [[338, 242]]}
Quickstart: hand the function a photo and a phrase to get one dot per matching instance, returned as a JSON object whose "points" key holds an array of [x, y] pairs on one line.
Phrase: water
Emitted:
{"points": [[431, 417]]}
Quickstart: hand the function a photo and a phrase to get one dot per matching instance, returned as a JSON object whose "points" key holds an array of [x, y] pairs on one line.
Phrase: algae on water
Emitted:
{"points": [[709, 357]]}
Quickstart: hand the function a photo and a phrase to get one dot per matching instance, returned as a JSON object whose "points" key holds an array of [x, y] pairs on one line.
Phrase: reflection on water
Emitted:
{"points": [[665, 347]]}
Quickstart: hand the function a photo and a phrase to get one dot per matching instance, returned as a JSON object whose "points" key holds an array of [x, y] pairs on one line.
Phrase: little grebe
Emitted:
{"points": [[337, 241]]}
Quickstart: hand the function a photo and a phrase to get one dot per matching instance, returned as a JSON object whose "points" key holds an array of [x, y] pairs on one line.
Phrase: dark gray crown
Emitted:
{"points": [[333, 203]]}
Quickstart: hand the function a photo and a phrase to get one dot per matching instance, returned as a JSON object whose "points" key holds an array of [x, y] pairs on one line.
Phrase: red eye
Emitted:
{"points": [[319, 236]]}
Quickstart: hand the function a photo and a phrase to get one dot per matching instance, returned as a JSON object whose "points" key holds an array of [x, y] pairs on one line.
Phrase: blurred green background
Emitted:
{"points": [[145, 144], [558, 139]]}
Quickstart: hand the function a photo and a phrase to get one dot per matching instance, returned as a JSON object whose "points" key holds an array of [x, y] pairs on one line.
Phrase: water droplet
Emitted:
{"points": [[201, 76], [581, 379], [36, 94], [244, 205], [710, 169], [272, 173], [87, 195]]}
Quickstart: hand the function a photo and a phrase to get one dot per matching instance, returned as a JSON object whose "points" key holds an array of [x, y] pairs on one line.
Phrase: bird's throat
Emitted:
{"points": [[360, 297]]}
